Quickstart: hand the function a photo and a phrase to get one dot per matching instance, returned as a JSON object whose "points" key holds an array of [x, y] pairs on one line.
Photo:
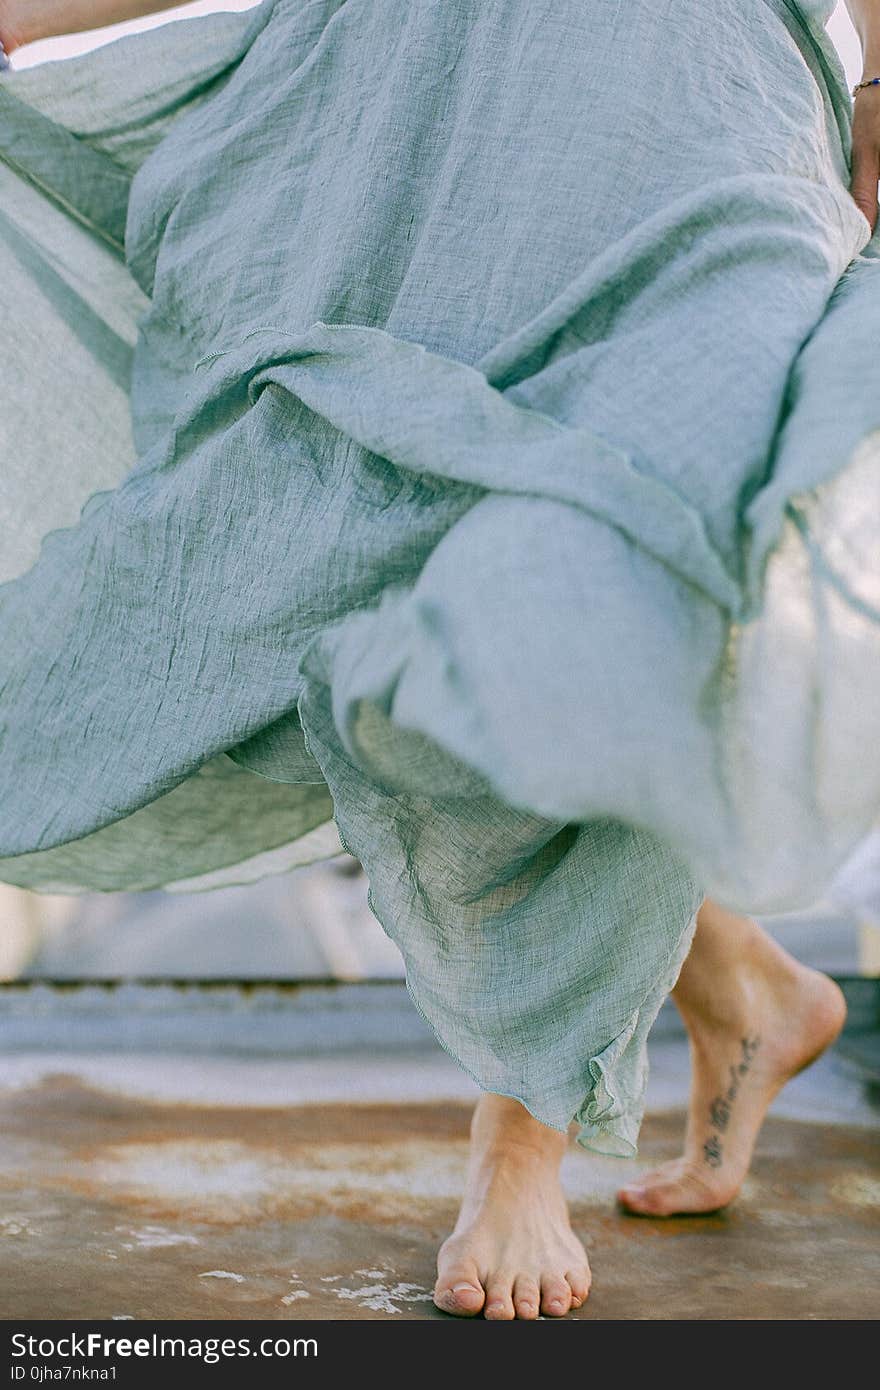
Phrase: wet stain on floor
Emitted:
{"points": [[113, 1207]]}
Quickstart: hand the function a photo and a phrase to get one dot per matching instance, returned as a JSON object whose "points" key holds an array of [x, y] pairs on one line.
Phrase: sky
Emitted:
{"points": [[840, 29]]}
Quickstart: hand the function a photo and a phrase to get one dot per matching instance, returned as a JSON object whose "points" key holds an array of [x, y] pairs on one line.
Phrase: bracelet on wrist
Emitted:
{"points": [[866, 82]]}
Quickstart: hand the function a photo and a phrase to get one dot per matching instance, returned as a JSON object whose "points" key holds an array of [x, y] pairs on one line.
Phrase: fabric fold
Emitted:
{"points": [[410, 454]]}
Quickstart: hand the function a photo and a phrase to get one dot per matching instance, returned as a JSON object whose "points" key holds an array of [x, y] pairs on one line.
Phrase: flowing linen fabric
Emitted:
{"points": [[451, 431]]}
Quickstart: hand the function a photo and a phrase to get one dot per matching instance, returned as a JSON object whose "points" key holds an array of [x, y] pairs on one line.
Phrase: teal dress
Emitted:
{"points": [[450, 432]]}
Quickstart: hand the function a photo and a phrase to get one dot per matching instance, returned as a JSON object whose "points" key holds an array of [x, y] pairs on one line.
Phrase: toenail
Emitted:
{"points": [[464, 1288]]}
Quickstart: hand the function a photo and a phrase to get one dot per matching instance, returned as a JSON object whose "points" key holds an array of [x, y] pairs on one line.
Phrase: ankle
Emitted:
{"points": [[732, 1009], [501, 1128], [733, 968]]}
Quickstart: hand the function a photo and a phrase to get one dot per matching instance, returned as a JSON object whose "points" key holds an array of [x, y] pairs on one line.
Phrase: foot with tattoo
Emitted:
{"points": [[755, 1017]]}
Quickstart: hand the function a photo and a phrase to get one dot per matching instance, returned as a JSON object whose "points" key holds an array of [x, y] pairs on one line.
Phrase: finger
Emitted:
{"points": [[863, 183]]}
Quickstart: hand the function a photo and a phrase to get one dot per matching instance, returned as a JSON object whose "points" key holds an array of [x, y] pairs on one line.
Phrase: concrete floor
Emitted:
{"points": [[145, 1183]]}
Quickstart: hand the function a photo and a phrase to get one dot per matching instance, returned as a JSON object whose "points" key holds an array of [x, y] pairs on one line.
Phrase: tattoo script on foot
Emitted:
{"points": [[721, 1108]]}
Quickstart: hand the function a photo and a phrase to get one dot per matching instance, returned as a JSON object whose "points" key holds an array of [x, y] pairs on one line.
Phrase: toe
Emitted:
{"points": [[459, 1290], [578, 1280], [499, 1299], [555, 1296], [526, 1297], [650, 1195], [640, 1198], [684, 1195]]}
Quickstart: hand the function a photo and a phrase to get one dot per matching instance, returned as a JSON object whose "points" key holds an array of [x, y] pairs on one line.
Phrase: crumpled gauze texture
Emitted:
{"points": [[449, 431]]}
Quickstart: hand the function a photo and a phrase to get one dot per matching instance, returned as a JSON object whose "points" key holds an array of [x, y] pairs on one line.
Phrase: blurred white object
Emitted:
{"points": [[26, 919], [335, 905], [857, 887], [313, 923]]}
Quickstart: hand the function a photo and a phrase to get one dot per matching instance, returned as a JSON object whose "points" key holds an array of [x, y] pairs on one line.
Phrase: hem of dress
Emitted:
{"points": [[606, 1126]]}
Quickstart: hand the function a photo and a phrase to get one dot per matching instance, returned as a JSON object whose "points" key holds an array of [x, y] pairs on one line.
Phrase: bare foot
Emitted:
{"points": [[755, 1017], [513, 1253]]}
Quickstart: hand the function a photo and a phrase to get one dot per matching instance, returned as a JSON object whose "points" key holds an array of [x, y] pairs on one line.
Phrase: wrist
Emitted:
{"points": [[870, 71], [16, 24], [28, 21]]}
